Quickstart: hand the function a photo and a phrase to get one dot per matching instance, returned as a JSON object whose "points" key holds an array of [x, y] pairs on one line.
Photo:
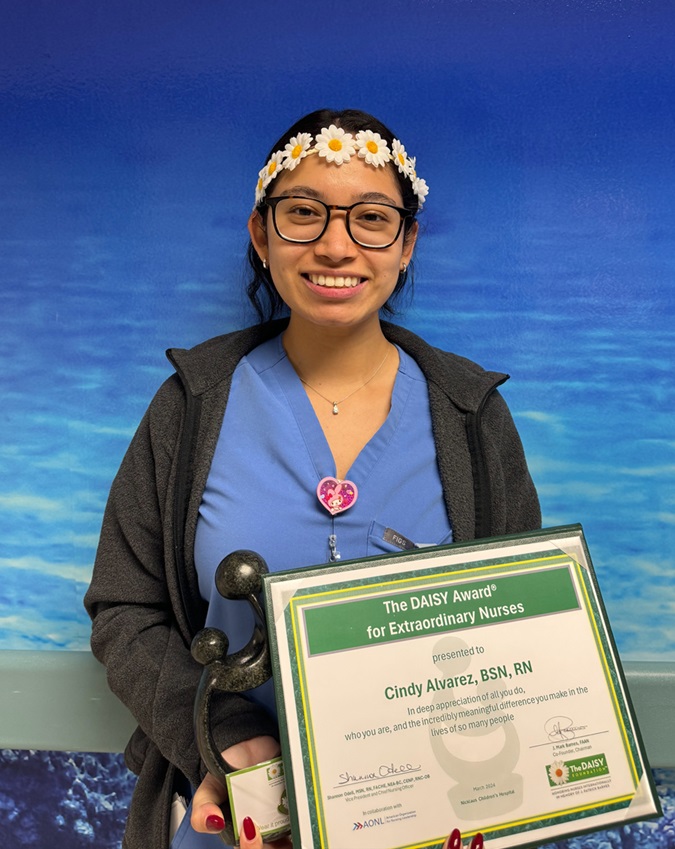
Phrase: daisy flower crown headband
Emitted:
{"points": [[338, 146]]}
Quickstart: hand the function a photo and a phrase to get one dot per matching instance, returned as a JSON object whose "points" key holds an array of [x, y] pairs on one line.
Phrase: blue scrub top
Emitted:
{"points": [[271, 454], [261, 490]]}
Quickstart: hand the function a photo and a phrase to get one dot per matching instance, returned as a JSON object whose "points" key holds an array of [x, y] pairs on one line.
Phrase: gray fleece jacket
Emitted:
{"points": [[144, 599]]}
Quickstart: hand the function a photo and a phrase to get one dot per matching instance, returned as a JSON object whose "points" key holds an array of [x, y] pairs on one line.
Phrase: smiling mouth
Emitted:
{"points": [[330, 282]]}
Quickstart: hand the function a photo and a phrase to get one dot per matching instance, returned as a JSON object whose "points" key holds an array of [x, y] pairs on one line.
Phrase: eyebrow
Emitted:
{"points": [[309, 192]]}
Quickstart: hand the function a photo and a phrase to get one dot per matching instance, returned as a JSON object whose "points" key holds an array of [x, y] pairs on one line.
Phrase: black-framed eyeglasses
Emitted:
{"points": [[303, 220]]}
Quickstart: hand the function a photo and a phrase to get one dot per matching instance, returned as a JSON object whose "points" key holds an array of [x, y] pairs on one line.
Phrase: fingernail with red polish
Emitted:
{"points": [[455, 841], [477, 841], [249, 828], [215, 823]]}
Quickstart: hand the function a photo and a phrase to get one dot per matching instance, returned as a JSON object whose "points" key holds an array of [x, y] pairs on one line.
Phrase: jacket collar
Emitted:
{"points": [[206, 365]]}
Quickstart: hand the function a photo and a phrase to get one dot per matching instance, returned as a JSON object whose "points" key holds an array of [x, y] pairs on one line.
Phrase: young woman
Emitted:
{"points": [[306, 439]]}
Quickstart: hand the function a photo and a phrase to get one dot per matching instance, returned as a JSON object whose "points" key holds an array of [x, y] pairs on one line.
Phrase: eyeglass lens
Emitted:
{"points": [[371, 224]]}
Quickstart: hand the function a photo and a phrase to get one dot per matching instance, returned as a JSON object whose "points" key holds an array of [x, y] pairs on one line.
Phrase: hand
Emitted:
{"points": [[454, 841], [207, 815], [250, 838]]}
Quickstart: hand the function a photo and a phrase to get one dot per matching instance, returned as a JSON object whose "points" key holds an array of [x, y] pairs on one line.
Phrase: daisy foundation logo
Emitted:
{"points": [[561, 772], [275, 771]]}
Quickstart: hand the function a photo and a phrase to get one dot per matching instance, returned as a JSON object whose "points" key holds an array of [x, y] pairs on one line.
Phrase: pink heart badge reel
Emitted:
{"points": [[336, 495]]}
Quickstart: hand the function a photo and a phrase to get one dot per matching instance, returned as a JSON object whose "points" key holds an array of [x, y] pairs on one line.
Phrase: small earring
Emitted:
{"points": [[264, 264], [404, 268]]}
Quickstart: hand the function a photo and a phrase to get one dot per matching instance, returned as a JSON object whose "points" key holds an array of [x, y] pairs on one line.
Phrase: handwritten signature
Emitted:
{"points": [[562, 728], [383, 771]]}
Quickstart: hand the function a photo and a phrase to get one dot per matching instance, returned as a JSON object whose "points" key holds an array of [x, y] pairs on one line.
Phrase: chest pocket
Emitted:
{"points": [[385, 540]]}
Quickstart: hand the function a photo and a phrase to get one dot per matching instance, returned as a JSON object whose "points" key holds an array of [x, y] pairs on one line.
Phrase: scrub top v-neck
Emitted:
{"points": [[270, 456]]}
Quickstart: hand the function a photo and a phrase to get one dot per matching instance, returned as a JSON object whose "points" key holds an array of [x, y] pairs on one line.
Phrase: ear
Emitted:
{"points": [[258, 233], [409, 243]]}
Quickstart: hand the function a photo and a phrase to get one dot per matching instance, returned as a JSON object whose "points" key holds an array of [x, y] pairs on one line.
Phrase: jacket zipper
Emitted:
{"points": [[481, 476], [180, 507]]}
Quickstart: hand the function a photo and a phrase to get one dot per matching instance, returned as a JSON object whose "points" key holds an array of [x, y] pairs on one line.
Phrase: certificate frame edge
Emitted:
{"points": [[484, 544], [628, 699], [282, 719]]}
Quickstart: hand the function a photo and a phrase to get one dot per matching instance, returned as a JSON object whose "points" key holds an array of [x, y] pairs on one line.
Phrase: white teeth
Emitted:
{"points": [[334, 282]]}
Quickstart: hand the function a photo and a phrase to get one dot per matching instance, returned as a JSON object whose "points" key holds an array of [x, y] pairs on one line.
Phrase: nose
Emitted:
{"points": [[336, 243]]}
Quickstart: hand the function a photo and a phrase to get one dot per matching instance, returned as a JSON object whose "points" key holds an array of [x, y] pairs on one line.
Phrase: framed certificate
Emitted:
{"points": [[474, 685]]}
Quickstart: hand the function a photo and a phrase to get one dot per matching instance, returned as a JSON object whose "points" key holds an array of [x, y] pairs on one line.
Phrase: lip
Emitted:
{"points": [[334, 286]]}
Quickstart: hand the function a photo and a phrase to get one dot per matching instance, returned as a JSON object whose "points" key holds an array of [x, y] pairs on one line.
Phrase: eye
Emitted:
{"points": [[374, 216], [301, 209]]}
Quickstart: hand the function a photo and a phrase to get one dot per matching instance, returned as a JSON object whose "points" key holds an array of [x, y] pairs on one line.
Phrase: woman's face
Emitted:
{"points": [[333, 282]]}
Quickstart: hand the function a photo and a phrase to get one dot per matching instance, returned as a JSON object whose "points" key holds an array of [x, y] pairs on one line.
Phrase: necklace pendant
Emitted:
{"points": [[335, 408]]}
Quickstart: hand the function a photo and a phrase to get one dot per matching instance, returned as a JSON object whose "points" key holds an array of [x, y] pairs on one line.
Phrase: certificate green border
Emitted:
{"points": [[364, 585]]}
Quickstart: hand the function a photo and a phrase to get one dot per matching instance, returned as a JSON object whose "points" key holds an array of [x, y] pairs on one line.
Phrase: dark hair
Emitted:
{"points": [[260, 289]]}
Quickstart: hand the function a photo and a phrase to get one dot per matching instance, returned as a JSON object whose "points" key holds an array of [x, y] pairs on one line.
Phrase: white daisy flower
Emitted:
{"points": [[335, 145], [421, 189], [373, 148], [558, 772], [273, 167], [296, 150], [260, 187], [401, 158], [267, 174]]}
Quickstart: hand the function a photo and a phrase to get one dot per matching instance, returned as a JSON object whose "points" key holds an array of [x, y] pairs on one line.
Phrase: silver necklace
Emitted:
{"points": [[335, 404]]}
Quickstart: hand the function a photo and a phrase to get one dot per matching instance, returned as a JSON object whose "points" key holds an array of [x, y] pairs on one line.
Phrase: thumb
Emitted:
{"points": [[249, 835], [207, 815]]}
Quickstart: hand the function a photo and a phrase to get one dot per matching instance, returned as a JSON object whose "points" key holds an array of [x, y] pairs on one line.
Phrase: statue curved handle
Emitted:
{"points": [[238, 577]]}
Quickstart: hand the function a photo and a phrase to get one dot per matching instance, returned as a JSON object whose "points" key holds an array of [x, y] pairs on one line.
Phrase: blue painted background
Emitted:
{"points": [[131, 134]]}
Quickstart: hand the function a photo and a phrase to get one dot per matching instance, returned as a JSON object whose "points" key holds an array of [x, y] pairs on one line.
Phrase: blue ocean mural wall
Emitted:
{"points": [[130, 139]]}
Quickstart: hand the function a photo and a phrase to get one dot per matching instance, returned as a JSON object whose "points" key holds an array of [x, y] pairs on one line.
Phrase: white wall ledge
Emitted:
{"points": [[59, 700]]}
